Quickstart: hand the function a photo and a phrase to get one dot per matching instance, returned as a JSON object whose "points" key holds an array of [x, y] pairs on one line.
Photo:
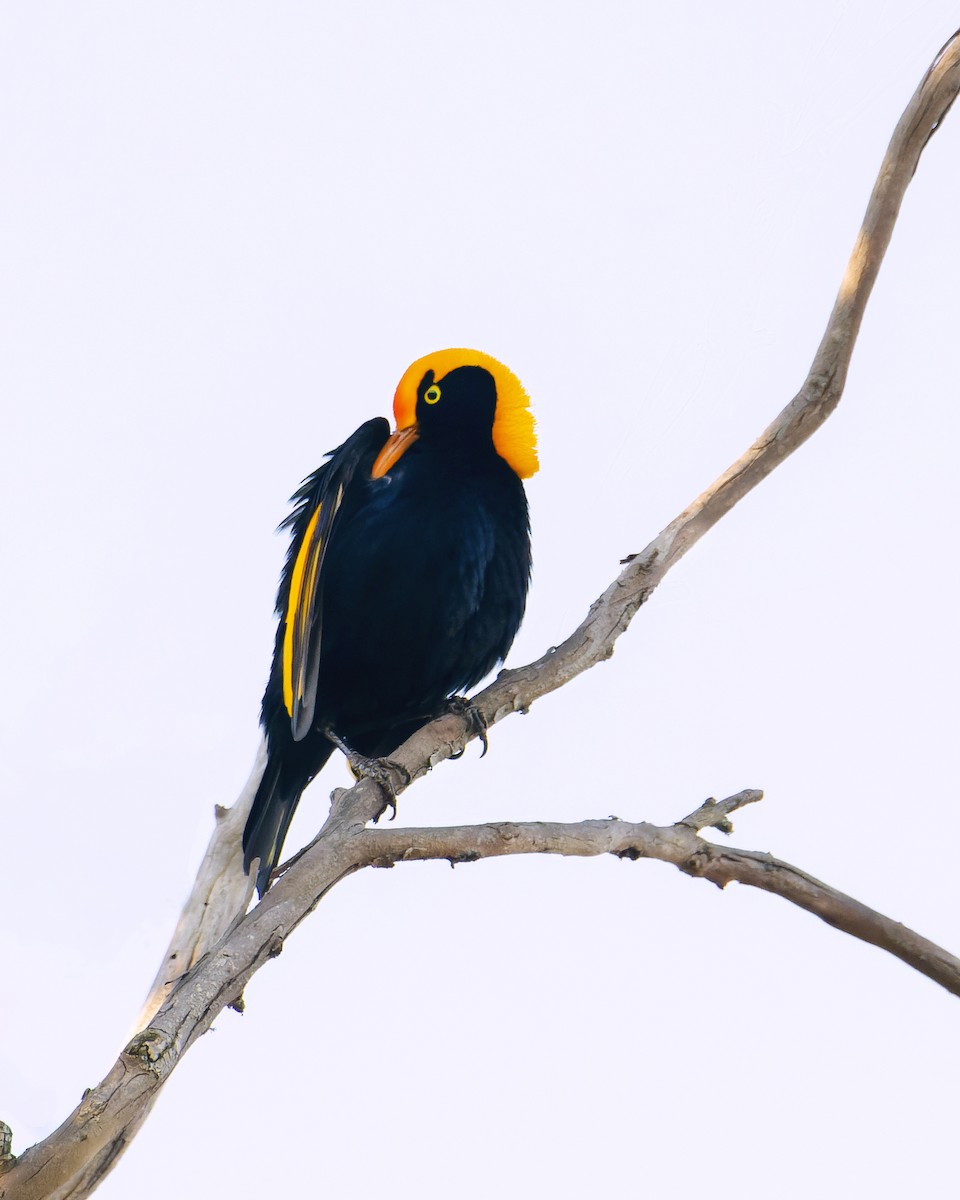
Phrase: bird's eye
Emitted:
{"points": [[432, 394]]}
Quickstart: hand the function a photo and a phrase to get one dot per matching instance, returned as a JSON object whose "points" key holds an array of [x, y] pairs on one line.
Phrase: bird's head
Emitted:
{"points": [[462, 395]]}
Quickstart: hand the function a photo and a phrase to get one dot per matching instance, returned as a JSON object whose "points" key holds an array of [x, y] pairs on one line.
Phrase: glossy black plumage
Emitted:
{"points": [[419, 590]]}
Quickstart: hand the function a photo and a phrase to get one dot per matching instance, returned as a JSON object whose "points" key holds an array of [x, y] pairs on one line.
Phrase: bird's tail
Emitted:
{"points": [[270, 817]]}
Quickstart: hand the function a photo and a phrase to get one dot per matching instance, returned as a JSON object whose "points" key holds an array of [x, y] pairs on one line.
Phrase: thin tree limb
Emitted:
{"points": [[677, 844], [74, 1159]]}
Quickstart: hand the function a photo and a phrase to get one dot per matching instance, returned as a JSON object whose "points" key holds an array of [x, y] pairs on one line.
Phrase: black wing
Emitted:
{"points": [[300, 603]]}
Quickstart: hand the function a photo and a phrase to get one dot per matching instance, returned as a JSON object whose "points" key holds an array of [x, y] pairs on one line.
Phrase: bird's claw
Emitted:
{"points": [[383, 772], [464, 707]]}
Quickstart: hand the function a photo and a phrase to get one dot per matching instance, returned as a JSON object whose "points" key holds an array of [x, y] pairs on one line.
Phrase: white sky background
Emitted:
{"points": [[227, 228]]}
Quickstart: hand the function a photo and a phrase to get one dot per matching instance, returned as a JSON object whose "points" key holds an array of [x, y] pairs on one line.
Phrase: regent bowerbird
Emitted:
{"points": [[405, 581]]}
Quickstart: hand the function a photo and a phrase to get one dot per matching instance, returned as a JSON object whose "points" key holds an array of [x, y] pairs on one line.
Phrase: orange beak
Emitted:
{"points": [[397, 444]]}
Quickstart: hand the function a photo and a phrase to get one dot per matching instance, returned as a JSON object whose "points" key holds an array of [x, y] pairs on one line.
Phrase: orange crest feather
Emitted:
{"points": [[514, 431]]}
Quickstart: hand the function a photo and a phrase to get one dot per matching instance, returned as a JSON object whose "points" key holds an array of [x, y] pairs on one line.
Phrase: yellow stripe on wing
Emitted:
{"points": [[295, 634], [302, 631]]}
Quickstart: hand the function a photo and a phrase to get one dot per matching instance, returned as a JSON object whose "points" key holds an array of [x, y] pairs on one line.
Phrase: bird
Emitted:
{"points": [[405, 580]]}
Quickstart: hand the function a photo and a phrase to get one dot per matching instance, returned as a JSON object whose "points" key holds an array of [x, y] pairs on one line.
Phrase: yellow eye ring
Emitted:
{"points": [[432, 394]]}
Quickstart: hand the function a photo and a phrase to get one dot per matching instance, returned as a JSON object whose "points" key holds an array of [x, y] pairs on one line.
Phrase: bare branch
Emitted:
{"points": [[611, 613], [220, 892], [715, 814], [111, 1113], [680, 845], [74, 1159]]}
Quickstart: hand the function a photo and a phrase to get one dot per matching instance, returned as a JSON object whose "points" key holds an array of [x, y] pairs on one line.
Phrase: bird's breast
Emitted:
{"points": [[424, 587]]}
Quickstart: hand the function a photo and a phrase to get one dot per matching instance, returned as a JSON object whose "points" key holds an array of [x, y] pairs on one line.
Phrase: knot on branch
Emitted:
{"points": [[7, 1157], [467, 856], [148, 1048], [698, 862]]}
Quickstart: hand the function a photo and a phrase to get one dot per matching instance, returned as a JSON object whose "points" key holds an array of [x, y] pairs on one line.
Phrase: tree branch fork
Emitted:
{"points": [[681, 845]]}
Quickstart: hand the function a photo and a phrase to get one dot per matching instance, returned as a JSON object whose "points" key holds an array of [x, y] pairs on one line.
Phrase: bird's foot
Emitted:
{"points": [[386, 773], [464, 707]]}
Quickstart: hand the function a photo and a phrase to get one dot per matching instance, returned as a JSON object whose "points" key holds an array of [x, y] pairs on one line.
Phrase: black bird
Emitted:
{"points": [[405, 581]]}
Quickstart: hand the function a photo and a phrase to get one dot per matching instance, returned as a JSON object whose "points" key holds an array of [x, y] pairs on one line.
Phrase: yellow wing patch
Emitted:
{"points": [[302, 621], [296, 622], [301, 632]]}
